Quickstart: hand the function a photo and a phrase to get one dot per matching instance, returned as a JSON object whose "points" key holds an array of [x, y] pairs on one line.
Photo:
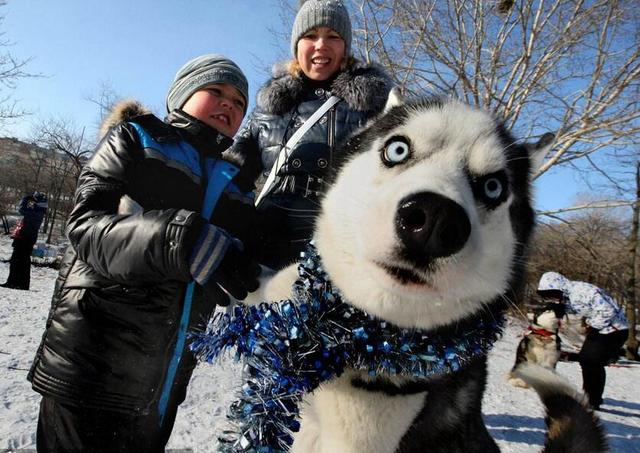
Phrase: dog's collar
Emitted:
{"points": [[293, 346], [539, 331]]}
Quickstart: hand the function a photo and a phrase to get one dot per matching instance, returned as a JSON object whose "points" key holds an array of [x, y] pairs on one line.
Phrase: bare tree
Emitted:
{"points": [[12, 185], [105, 98], [20, 172], [62, 179], [589, 246], [67, 150], [12, 69], [567, 65], [62, 136], [38, 161]]}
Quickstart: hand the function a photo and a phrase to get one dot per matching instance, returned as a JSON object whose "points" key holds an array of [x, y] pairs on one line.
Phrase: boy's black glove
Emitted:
{"points": [[217, 261]]}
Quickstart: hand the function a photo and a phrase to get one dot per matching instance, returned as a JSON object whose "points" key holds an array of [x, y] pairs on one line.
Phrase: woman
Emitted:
{"points": [[33, 208], [607, 327], [322, 67]]}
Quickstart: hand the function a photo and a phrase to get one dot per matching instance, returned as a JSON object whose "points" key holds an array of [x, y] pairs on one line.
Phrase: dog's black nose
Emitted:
{"points": [[431, 226]]}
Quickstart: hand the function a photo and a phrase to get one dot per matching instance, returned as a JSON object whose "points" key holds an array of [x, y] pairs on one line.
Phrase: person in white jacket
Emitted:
{"points": [[607, 327]]}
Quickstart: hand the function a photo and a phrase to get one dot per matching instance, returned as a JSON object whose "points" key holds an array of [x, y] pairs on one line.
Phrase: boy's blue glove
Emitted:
{"points": [[218, 261]]}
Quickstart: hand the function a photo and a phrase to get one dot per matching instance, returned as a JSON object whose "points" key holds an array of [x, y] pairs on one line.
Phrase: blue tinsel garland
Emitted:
{"points": [[291, 347]]}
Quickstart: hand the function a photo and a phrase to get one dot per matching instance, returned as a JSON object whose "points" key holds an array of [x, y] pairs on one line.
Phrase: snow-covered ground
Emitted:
{"points": [[514, 416]]}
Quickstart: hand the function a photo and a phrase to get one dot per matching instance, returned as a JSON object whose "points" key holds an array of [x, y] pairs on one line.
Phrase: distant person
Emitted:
{"points": [[607, 327], [114, 363], [33, 208]]}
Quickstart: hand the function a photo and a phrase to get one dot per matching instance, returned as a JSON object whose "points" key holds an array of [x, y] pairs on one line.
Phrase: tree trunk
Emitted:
{"points": [[632, 342], [47, 218], [5, 224], [52, 223], [45, 222]]}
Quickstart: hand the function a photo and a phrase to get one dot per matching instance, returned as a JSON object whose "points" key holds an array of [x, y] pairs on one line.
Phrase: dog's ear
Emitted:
{"points": [[395, 98], [560, 310], [539, 150]]}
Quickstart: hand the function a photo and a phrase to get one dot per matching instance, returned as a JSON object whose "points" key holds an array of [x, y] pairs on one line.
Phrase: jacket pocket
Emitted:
{"points": [[114, 307]]}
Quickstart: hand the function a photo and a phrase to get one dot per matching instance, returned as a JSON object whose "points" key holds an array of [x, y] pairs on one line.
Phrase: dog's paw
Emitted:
{"points": [[516, 381], [274, 288]]}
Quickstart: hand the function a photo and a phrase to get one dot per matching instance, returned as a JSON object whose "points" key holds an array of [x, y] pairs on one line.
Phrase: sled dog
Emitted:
{"points": [[541, 343], [426, 225]]}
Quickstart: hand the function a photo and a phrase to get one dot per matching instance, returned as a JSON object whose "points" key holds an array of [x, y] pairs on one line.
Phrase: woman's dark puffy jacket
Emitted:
{"points": [[284, 104], [118, 299], [33, 211]]}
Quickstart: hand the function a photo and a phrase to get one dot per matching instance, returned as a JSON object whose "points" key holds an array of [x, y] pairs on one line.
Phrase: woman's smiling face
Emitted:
{"points": [[320, 53]]}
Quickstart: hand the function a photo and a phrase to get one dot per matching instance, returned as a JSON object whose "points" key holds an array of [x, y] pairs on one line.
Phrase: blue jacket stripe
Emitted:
{"points": [[219, 175], [179, 155]]}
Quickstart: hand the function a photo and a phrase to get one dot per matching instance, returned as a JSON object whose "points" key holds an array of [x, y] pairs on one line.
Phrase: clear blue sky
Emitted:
{"points": [[136, 46]]}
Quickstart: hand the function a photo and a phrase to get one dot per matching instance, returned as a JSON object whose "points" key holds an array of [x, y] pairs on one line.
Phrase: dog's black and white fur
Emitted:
{"points": [[541, 343], [426, 225]]}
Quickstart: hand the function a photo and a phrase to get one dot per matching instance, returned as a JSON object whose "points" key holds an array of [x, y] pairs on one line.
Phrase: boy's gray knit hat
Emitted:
{"points": [[202, 71], [321, 13]]}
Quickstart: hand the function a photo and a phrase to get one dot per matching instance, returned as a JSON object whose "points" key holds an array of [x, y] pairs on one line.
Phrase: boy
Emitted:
{"points": [[113, 365]]}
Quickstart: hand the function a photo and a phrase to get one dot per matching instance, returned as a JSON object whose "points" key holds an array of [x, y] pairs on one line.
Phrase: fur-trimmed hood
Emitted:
{"points": [[363, 87], [122, 111], [203, 137]]}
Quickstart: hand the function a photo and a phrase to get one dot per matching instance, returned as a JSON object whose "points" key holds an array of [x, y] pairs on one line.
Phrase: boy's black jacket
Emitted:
{"points": [[119, 294]]}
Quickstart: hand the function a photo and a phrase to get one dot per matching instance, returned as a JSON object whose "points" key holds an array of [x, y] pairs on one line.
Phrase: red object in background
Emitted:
{"points": [[16, 233]]}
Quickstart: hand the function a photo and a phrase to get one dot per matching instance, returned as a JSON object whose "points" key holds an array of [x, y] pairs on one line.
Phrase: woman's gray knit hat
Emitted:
{"points": [[322, 13], [202, 71]]}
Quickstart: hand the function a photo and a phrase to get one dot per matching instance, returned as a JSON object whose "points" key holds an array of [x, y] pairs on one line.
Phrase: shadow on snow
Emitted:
{"points": [[531, 430]]}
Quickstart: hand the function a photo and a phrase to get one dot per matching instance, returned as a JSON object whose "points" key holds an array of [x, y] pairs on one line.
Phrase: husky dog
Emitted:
{"points": [[541, 343], [426, 226]]}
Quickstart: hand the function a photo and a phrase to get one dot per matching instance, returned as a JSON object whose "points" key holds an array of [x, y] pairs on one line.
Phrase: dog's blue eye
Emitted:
{"points": [[396, 151], [493, 188]]}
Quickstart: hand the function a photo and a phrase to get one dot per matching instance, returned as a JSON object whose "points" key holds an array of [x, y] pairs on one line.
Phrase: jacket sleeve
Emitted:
{"points": [[23, 207], [135, 248], [246, 147]]}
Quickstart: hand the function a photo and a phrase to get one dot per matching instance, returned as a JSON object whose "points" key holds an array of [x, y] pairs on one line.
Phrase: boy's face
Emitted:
{"points": [[221, 106]]}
